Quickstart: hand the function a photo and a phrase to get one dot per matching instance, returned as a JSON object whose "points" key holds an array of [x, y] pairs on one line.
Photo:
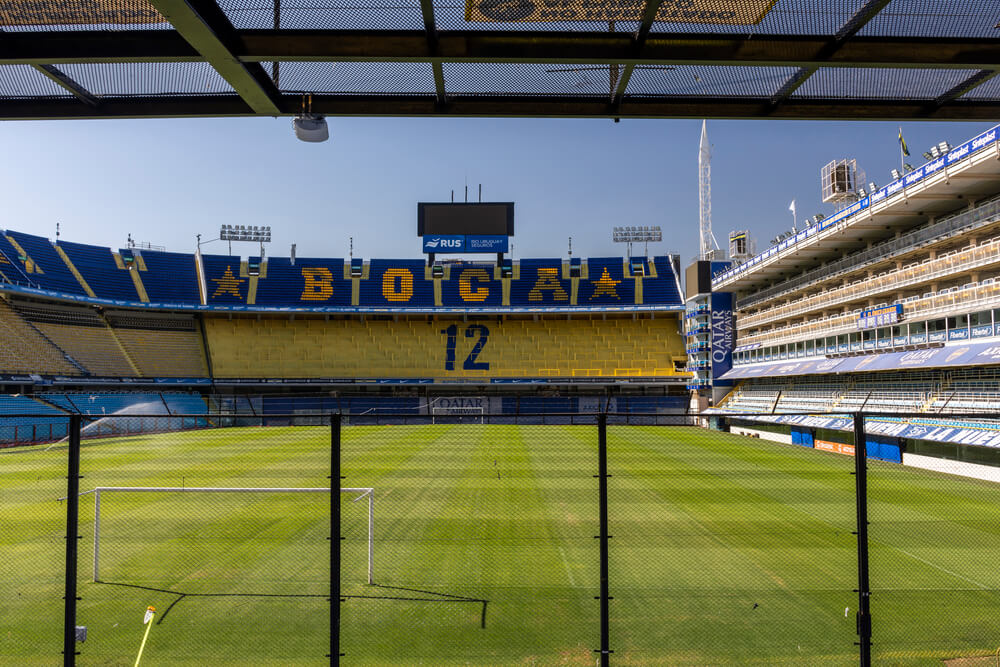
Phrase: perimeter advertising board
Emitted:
{"points": [[722, 335], [79, 12], [730, 12]]}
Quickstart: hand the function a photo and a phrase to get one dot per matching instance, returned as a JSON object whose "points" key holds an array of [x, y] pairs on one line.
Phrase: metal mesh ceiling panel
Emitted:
{"points": [[62, 15], [324, 14], [708, 81], [787, 17], [881, 83], [937, 18], [358, 78], [549, 15], [24, 81], [988, 90], [146, 79], [679, 58], [529, 79]]}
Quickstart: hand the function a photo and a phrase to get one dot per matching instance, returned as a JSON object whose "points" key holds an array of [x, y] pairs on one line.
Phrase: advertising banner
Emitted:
{"points": [[722, 334], [729, 12], [464, 243], [79, 12], [444, 243]]}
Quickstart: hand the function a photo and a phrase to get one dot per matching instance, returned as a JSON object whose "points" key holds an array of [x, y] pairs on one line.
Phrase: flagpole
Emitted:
{"points": [[900, 142], [148, 620]]}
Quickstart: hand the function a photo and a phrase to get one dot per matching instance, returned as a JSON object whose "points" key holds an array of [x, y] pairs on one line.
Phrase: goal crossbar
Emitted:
{"points": [[366, 492]]}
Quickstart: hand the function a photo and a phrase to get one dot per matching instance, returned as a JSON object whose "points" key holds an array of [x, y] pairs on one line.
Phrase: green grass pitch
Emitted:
{"points": [[725, 550]]}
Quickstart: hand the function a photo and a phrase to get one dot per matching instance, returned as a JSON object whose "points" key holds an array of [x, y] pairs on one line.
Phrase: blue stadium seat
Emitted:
{"points": [[56, 275], [223, 282], [397, 282], [309, 282], [662, 290], [170, 277], [606, 283], [472, 284], [22, 430], [540, 284], [97, 266]]}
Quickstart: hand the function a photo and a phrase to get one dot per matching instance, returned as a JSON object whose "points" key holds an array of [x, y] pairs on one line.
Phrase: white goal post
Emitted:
{"points": [[365, 492]]}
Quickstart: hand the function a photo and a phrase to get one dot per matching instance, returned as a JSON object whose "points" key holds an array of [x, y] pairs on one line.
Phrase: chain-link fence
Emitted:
{"points": [[473, 539]]}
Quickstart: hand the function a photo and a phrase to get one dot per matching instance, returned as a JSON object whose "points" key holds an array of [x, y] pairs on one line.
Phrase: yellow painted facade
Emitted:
{"points": [[281, 347]]}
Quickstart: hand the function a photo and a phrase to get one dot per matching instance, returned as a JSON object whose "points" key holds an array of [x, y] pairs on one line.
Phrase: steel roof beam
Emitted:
{"points": [[486, 46], [860, 19], [499, 106], [971, 83], [430, 31], [205, 27], [638, 43], [66, 82]]}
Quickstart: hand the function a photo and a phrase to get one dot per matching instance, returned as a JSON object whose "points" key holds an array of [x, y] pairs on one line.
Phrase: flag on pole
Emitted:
{"points": [[902, 143], [791, 207], [147, 620]]}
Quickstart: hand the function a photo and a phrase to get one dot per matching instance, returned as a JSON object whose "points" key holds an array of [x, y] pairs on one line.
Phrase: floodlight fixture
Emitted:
{"points": [[862, 192], [637, 234], [251, 233], [872, 187], [895, 174], [944, 147], [907, 168], [928, 156], [935, 152], [260, 234]]}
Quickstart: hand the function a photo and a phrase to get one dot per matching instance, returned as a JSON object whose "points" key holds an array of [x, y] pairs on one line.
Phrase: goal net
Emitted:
{"points": [[274, 539], [457, 415]]}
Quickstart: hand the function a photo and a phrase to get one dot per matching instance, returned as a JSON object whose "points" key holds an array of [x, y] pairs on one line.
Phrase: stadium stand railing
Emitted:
{"points": [[966, 298], [987, 252], [983, 214]]}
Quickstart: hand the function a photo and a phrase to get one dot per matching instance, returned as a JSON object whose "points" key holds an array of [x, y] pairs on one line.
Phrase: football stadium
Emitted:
{"points": [[537, 457], [471, 457]]}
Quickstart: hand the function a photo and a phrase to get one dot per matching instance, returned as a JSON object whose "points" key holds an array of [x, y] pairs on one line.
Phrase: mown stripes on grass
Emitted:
{"points": [[725, 550]]}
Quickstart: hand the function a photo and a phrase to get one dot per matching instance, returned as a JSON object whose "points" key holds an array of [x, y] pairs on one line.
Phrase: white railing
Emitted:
{"points": [[956, 261], [967, 299]]}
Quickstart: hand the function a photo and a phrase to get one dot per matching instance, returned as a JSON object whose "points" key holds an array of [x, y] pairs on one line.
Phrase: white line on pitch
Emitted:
{"points": [[569, 573]]}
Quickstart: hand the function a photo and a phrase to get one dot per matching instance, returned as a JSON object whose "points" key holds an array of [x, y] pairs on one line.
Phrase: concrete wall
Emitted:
{"points": [[975, 470], [766, 435]]}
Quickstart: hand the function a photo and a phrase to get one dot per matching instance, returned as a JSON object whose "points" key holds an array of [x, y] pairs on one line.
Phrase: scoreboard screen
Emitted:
{"points": [[485, 219]]}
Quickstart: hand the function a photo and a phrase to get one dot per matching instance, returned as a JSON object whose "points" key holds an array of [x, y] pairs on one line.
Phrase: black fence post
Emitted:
{"points": [[72, 535], [335, 599], [602, 477], [861, 502]]}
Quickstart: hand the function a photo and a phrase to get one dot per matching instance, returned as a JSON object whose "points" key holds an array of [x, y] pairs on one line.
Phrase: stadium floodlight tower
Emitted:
{"points": [[707, 245], [251, 233], [840, 181], [632, 235]]}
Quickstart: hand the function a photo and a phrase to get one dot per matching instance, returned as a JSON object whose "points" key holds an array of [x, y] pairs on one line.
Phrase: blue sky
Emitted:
{"points": [[163, 181]]}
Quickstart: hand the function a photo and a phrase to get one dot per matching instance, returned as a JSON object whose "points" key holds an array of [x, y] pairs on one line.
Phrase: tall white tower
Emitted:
{"points": [[707, 244]]}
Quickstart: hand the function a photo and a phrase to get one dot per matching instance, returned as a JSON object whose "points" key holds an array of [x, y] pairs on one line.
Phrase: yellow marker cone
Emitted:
{"points": [[147, 620]]}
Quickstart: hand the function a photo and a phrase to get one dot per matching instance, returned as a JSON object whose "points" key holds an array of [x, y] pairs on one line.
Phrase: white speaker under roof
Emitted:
{"points": [[311, 128]]}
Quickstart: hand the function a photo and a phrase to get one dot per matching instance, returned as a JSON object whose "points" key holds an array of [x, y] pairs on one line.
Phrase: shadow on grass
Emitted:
{"points": [[437, 597]]}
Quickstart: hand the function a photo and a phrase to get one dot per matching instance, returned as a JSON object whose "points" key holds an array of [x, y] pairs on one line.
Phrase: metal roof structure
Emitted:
{"points": [[822, 59]]}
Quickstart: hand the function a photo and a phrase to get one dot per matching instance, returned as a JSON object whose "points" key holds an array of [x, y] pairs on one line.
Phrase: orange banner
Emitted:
{"points": [[838, 447]]}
